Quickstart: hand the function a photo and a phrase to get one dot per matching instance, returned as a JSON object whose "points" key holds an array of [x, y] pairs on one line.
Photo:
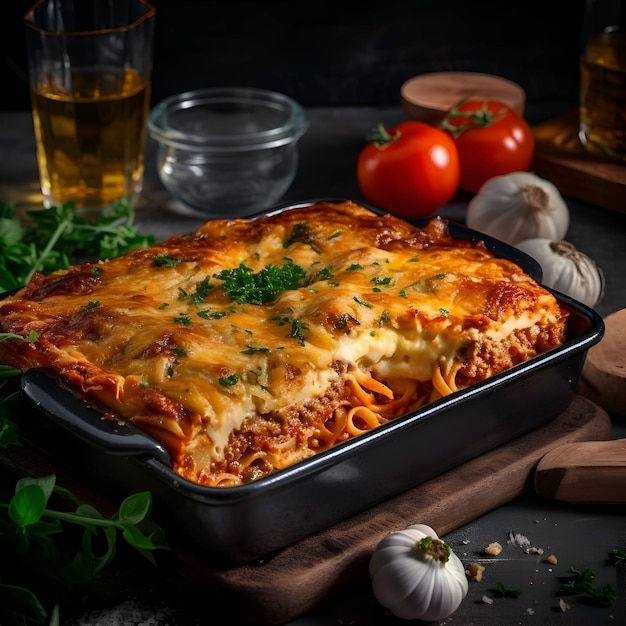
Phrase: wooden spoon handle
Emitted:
{"points": [[588, 471]]}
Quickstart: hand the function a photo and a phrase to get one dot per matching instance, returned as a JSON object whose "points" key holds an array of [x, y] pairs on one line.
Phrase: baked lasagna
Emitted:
{"points": [[251, 344]]}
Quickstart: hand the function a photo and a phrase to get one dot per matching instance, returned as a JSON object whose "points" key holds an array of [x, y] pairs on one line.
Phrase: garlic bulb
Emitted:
{"points": [[518, 206], [416, 575], [566, 269]]}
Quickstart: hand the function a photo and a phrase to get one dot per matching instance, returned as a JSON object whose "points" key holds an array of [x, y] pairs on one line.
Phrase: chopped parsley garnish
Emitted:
{"points": [[97, 271], [362, 302], [385, 282], [229, 381], [298, 328], [354, 267], [507, 592], [92, 304], [182, 319], [208, 314], [299, 331], [164, 260], [301, 233], [444, 312], [245, 287], [203, 289], [254, 350], [326, 273], [384, 317], [346, 320], [380, 282]]}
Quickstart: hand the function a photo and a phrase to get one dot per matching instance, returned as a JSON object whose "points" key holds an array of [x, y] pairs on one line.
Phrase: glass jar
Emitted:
{"points": [[227, 152], [603, 79]]}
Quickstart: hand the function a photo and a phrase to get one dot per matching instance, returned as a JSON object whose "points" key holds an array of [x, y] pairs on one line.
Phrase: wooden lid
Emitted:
{"points": [[427, 97]]}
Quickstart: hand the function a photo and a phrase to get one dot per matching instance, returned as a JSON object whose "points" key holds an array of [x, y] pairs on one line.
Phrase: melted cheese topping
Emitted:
{"points": [[157, 338]]}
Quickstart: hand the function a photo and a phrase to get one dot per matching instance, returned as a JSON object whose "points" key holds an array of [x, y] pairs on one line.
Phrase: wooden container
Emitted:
{"points": [[427, 97]]}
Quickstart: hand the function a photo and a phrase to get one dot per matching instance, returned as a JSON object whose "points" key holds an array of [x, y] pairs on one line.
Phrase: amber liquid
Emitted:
{"points": [[91, 136], [603, 95]]}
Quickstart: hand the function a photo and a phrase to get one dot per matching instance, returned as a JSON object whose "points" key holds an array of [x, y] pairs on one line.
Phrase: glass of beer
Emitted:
{"points": [[603, 79], [90, 65]]}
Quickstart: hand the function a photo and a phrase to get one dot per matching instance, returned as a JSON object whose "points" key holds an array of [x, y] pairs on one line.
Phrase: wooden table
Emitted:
{"points": [[578, 535]]}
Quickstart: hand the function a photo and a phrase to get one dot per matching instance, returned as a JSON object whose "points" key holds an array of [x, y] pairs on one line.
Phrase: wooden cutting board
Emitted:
{"points": [[301, 576], [561, 158]]}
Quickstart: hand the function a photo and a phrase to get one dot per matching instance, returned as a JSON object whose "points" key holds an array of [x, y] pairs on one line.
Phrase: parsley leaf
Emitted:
{"points": [[581, 582], [301, 232], [202, 291], [299, 330], [507, 592], [229, 381], [244, 286], [164, 260]]}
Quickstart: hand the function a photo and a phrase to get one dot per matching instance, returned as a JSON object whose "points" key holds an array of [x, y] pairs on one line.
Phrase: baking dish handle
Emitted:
{"points": [[69, 412]]}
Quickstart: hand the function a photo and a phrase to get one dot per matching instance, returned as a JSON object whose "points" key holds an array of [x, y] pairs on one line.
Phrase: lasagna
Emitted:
{"points": [[252, 344]]}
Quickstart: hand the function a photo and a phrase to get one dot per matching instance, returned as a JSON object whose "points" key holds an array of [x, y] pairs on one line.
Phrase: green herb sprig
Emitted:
{"points": [[51, 239], [244, 286], [581, 582], [38, 510], [28, 524], [30, 519]]}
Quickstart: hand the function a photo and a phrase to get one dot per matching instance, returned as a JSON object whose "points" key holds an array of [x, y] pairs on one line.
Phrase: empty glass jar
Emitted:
{"points": [[227, 152]]}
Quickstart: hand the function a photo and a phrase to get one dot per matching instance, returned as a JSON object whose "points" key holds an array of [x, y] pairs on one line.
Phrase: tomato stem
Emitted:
{"points": [[380, 136], [475, 119]]}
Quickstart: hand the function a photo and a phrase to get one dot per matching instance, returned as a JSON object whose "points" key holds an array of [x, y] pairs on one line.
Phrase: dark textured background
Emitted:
{"points": [[341, 53]]}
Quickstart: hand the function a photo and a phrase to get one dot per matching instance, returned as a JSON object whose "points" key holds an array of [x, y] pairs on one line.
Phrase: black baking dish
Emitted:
{"points": [[244, 523]]}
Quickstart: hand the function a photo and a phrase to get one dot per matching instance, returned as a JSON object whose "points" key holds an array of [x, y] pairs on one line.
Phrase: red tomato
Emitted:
{"points": [[491, 140], [411, 169]]}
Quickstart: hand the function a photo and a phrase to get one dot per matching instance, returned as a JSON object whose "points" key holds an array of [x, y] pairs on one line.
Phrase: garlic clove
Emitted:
{"points": [[566, 269], [416, 575], [518, 206]]}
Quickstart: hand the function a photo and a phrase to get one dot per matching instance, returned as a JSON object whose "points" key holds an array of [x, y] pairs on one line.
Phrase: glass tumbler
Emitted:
{"points": [[90, 64], [603, 79]]}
